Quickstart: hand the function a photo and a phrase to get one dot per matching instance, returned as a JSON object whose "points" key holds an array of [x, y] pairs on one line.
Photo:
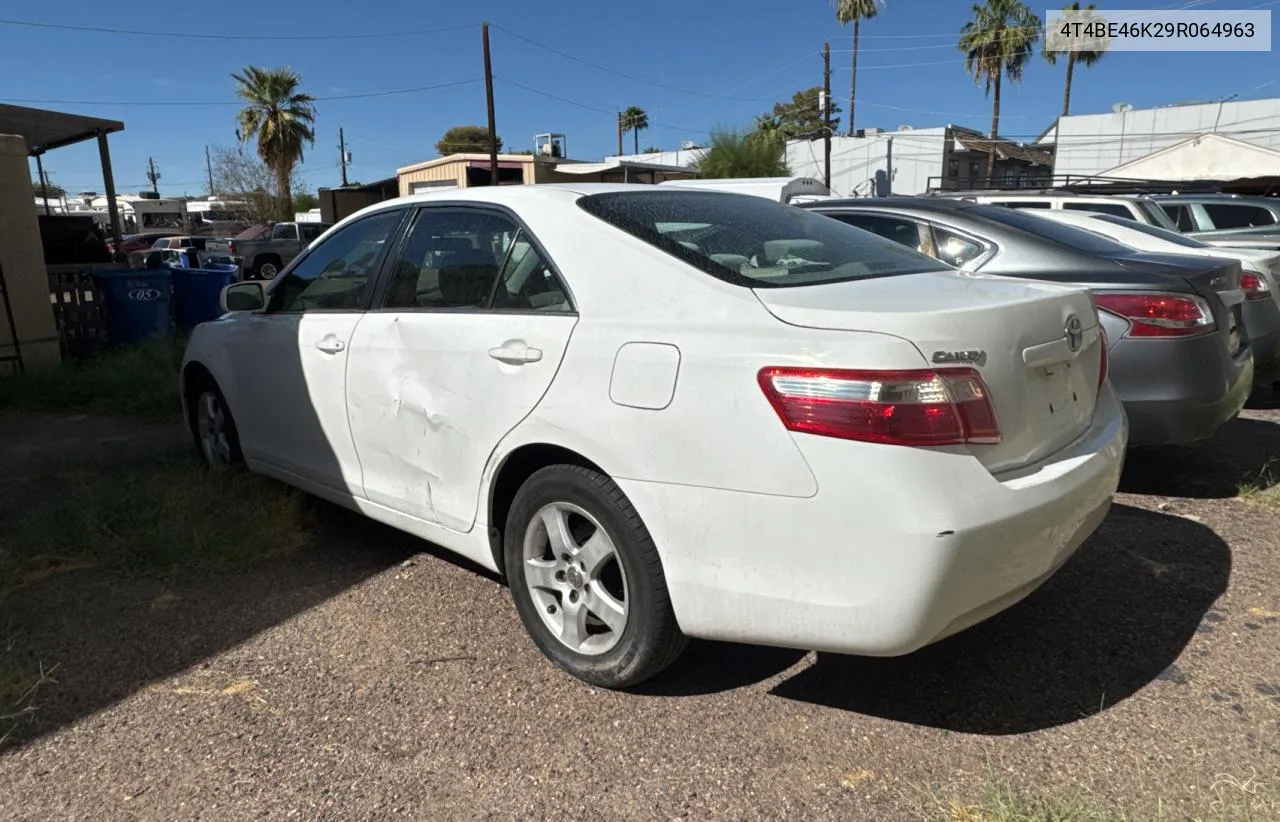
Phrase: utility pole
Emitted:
{"points": [[342, 155], [826, 113], [619, 133], [488, 101], [153, 175], [208, 167]]}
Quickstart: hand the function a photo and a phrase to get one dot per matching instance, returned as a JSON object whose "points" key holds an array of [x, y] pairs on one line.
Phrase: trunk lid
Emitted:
{"points": [[1012, 331], [1215, 279]]}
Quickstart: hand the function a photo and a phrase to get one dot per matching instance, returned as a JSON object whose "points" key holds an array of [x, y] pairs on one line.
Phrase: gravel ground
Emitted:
{"points": [[374, 677]]}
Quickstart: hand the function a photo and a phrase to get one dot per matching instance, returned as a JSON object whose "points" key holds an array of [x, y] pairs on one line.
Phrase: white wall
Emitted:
{"points": [[1093, 143], [915, 155]]}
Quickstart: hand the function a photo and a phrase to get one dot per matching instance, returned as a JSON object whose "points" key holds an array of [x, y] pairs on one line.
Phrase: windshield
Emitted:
{"points": [[1077, 239], [754, 242], [1157, 214], [1165, 234]]}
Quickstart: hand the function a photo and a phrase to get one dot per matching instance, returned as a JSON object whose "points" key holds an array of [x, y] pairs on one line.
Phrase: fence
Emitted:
{"points": [[77, 308]]}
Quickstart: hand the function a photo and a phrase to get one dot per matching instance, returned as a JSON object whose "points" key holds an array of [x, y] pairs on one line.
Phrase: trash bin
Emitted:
{"points": [[135, 302], [197, 292]]}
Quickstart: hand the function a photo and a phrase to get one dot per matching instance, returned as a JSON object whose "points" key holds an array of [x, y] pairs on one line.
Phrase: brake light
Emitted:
{"points": [[231, 248], [1255, 286], [948, 406], [1158, 315]]}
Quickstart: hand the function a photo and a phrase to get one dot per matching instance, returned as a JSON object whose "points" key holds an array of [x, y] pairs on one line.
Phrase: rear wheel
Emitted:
{"points": [[214, 429], [586, 579], [267, 269]]}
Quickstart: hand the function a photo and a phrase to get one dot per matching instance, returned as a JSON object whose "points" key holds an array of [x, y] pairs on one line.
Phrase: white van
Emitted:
{"points": [[1138, 209]]}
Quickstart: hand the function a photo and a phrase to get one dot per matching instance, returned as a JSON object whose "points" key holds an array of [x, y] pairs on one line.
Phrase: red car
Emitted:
{"points": [[136, 242]]}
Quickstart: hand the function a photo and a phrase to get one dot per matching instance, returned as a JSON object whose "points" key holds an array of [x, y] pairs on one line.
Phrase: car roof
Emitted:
{"points": [[947, 204]]}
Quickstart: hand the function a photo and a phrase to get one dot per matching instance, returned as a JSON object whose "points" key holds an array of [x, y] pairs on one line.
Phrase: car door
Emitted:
{"points": [[467, 333], [290, 362]]}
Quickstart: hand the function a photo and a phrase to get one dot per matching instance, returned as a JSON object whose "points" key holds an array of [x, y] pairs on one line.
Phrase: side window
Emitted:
{"points": [[337, 274], [899, 230], [449, 259], [955, 250], [1181, 216], [1114, 209], [528, 283], [284, 231], [1231, 215]]}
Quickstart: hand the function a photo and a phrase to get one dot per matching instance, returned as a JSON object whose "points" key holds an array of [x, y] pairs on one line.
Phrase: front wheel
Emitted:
{"points": [[586, 579], [216, 438]]}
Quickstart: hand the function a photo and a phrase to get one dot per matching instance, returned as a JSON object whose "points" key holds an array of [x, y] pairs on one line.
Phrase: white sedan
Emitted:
{"points": [[664, 413]]}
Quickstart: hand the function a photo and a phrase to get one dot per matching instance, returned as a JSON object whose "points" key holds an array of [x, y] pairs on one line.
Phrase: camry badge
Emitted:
{"points": [[973, 356], [1075, 333]]}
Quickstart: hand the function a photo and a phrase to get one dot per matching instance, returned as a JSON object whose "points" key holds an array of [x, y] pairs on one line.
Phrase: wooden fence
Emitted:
{"points": [[77, 308]]}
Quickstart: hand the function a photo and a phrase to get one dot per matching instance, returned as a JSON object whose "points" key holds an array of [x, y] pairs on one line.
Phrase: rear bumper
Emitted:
{"points": [[899, 547], [1177, 392]]}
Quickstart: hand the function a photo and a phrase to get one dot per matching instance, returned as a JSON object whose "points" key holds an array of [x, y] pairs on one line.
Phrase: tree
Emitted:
{"points": [[467, 140], [801, 117], [1084, 57], [242, 177], [855, 11], [734, 154], [282, 119], [998, 42], [652, 150], [54, 191], [305, 201], [634, 120]]}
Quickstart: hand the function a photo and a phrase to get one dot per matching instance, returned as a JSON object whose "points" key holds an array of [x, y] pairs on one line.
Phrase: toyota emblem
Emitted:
{"points": [[1075, 333]]}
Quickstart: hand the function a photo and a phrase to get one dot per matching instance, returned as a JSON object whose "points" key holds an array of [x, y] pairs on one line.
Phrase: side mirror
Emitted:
{"points": [[249, 297]]}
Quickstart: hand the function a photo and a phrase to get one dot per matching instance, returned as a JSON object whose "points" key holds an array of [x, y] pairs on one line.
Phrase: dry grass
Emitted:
{"points": [[157, 516], [1262, 491], [139, 381]]}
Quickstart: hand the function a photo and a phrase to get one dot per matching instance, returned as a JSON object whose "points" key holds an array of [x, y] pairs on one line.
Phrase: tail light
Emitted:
{"points": [[1158, 315], [1255, 286], [947, 406], [231, 249]]}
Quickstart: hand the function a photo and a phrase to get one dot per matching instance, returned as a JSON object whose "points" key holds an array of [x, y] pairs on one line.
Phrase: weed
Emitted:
{"points": [[138, 380]]}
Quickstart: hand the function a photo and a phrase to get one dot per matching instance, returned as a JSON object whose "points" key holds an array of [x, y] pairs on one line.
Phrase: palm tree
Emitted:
{"points": [[282, 118], [997, 42], [1084, 58], [733, 154], [855, 11], [634, 120]]}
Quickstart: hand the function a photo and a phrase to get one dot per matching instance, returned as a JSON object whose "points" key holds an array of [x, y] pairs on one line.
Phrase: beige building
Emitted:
{"points": [[471, 170]]}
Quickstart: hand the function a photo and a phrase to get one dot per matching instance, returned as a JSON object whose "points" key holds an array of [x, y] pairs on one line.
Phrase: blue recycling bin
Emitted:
{"points": [[136, 303], [197, 292]]}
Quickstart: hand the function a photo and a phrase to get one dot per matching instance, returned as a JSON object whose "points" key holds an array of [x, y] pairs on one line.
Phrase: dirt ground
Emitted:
{"points": [[373, 677]]}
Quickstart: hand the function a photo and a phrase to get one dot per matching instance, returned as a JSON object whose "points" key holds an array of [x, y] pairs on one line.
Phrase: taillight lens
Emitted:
{"points": [[1255, 286], [947, 406], [231, 249], [1158, 315]]}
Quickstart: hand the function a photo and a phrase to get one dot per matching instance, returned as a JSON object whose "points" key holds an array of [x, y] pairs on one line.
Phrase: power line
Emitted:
{"points": [[195, 35], [191, 103], [621, 74], [588, 107]]}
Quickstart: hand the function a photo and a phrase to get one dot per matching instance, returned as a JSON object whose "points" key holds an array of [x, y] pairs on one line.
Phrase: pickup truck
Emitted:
{"points": [[265, 249]]}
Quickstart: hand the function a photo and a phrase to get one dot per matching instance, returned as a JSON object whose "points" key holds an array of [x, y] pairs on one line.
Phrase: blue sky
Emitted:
{"points": [[751, 51]]}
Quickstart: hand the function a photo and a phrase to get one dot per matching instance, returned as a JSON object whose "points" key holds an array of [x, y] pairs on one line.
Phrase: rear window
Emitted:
{"points": [[1072, 237], [754, 242], [1155, 231]]}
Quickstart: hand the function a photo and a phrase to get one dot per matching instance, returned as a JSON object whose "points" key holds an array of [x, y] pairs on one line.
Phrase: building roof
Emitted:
{"points": [[617, 163], [465, 157], [46, 130], [973, 141], [1203, 157]]}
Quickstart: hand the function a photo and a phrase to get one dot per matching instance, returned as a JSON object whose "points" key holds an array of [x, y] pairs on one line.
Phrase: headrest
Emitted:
{"points": [[452, 244], [466, 278]]}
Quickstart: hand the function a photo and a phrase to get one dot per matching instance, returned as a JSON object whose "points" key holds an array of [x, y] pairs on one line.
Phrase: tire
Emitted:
{"points": [[631, 648], [266, 269], [213, 429]]}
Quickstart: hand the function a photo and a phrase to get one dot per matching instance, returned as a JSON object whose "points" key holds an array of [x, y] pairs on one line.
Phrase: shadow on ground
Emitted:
{"points": [[111, 636], [1110, 622], [1242, 453]]}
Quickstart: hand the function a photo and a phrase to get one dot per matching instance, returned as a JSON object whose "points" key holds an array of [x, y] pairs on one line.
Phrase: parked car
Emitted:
{"points": [[1130, 207], [1258, 275], [1180, 359], [265, 249], [137, 242], [832, 441], [1221, 215]]}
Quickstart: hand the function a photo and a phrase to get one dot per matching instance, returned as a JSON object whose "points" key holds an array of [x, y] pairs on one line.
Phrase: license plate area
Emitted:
{"points": [[1059, 396]]}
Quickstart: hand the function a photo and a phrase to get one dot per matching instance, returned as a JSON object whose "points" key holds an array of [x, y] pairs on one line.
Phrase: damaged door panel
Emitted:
{"points": [[464, 343]]}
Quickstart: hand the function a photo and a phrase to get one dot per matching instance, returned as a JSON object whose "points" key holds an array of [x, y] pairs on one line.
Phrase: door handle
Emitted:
{"points": [[330, 345], [514, 352]]}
